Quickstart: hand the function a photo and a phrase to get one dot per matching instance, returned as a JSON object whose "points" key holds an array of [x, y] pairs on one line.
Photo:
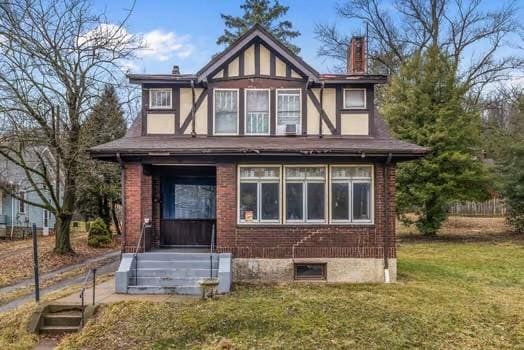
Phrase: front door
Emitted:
{"points": [[188, 210]]}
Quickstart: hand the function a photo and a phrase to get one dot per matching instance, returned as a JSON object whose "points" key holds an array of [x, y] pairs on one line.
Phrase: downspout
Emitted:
{"points": [[321, 110], [386, 221], [193, 133], [12, 215], [123, 200]]}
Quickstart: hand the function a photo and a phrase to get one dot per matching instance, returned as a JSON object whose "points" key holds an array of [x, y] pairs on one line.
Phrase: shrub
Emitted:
{"points": [[99, 235]]}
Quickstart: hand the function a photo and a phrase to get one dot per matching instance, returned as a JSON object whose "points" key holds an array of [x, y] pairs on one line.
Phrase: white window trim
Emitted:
{"points": [[299, 132], [161, 107], [214, 111], [268, 114], [350, 181], [259, 182], [354, 89], [304, 182], [22, 194]]}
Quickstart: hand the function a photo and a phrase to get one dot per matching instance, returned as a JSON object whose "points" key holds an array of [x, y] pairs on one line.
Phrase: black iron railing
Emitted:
{"points": [[211, 251], [82, 292], [135, 255]]}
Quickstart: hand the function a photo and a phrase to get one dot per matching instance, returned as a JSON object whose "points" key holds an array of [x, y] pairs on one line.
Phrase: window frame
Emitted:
{"points": [[299, 131], [322, 277], [350, 182], [214, 112], [160, 107], [268, 112], [304, 182], [354, 89], [259, 183], [21, 203]]}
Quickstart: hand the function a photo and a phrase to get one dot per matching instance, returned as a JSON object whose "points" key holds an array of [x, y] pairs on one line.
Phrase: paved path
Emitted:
{"points": [[111, 266]]}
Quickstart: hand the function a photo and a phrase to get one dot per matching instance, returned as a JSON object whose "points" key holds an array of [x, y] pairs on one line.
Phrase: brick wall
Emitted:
{"points": [[285, 241]]}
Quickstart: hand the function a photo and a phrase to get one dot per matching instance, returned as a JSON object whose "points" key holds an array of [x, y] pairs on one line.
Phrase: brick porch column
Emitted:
{"points": [[226, 198], [138, 204]]}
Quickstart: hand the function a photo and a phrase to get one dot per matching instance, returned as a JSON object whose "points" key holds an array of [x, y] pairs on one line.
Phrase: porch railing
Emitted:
{"points": [[82, 293], [140, 239], [212, 245]]}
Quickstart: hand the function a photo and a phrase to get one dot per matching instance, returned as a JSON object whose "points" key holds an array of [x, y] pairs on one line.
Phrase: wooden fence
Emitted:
{"points": [[492, 207]]}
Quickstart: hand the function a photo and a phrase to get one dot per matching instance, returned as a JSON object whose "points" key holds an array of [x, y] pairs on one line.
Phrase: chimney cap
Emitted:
{"points": [[176, 70]]}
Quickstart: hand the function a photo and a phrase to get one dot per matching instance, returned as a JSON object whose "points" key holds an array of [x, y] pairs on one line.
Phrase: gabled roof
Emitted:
{"points": [[257, 31]]}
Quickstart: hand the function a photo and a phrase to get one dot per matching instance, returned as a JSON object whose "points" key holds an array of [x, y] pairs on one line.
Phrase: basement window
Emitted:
{"points": [[310, 271]]}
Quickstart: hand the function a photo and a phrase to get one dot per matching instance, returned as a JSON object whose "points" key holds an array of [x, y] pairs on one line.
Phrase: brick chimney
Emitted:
{"points": [[176, 70], [356, 57]]}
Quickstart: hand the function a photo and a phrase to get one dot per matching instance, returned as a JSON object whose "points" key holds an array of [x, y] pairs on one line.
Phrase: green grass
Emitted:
{"points": [[449, 295]]}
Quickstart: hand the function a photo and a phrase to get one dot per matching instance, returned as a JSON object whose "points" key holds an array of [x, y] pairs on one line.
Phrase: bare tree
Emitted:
{"points": [[471, 35], [56, 56]]}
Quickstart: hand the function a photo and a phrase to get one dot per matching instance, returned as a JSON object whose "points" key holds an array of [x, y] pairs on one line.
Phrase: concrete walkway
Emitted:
{"points": [[105, 294]]}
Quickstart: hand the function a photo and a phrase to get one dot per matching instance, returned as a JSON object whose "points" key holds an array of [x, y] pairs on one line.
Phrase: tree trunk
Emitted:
{"points": [[64, 218], [115, 219]]}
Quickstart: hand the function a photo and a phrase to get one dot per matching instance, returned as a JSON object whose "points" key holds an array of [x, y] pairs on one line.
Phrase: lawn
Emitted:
{"points": [[452, 293]]}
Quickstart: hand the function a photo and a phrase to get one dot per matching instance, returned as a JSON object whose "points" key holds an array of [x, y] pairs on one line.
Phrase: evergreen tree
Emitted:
{"points": [[99, 185], [425, 104], [261, 12]]}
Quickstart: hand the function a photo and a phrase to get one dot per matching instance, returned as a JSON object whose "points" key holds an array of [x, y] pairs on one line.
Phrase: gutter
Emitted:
{"points": [[386, 221]]}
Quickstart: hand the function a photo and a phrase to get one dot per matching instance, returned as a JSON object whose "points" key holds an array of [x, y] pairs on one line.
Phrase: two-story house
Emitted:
{"points": [[288, 173]]}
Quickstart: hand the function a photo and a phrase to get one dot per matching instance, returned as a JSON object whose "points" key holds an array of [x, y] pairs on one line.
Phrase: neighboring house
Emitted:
{"points": [[16, 216], [288, 173]]}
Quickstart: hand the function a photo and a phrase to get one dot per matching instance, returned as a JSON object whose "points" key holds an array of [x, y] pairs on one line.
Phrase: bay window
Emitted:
{"points": [[351, 193], [160, 99], [226, 112], [257, 112], [288, 110], [305, 193], [259, 194]]}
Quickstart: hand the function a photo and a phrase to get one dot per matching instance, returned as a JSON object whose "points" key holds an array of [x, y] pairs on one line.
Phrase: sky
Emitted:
{"points": [[184, 32]]}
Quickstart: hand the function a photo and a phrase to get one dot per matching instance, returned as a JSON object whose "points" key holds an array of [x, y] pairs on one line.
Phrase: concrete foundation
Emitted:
{"points": [[339, 270]]}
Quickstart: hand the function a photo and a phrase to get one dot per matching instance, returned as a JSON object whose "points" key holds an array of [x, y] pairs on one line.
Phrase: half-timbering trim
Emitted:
{"points": [[189, 118], [325, 118], [176, 106]]}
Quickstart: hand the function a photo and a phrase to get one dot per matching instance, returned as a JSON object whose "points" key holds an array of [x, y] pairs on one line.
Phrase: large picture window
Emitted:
{"points": [[257, 112], [259, 197], [288, 110], [351, 194], [226, 112], [305, 194], [160, 98]]}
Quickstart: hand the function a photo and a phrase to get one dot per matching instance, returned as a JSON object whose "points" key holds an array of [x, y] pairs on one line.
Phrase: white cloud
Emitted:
{"points": [[162, 46]]}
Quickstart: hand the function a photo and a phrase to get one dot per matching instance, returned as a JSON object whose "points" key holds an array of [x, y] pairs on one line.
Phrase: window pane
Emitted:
{"points": [[315, 201], [340, 201], [288, 109], [160, 98], [194, 201], [226, 112], [269, 194], [355, 98], [361, 194], [296, 173], [248, 202], [315, 172], [257, 106], [259, 172], [294, 203], [309, 271]]}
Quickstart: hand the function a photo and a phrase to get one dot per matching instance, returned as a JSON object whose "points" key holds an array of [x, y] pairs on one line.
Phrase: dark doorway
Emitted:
{"points": [[188, 210]]}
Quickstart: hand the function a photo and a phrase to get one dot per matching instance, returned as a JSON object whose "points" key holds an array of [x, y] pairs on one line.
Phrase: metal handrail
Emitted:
{"points": [[135, 255], [211, 251], [82, 292]]}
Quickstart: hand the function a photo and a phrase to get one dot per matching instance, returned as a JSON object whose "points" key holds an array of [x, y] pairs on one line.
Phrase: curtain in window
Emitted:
{"points": [[257, 118], [226, 112], [355, 98], [288, 107]]}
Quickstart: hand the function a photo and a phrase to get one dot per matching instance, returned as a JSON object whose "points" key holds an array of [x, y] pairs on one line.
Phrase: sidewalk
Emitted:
{"points": [[105, 294]]}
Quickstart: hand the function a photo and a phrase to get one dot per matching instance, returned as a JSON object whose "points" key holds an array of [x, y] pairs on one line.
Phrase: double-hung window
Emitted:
{"points": [[226, 112], [351, 190], [160, 99], [354, 98], [305, 194], [288, 110], [257, 112], [259, 199]]}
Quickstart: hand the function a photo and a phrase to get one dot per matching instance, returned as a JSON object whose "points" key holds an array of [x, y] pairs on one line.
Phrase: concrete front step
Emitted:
{"points": [[59, 329], [176, 264], [173, 273], [63, 319], [166, 281], [166, 256], [154, 289]]}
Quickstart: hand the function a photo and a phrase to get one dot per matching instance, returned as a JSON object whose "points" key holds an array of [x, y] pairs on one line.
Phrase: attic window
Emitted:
{"points": [[160, 98], [354, 98], [316, 271]]}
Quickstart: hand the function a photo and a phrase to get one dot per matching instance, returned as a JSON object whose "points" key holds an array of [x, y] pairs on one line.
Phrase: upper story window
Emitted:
{"points": [[259, 194], [351, 193], [288, 111], [226, 112], [257, 112], [354, 98], [160, 99], [305, 194]]}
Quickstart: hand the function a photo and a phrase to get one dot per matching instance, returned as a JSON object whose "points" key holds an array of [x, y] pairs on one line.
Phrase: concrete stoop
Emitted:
{"points": [[172, 272], [57, 319]]}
